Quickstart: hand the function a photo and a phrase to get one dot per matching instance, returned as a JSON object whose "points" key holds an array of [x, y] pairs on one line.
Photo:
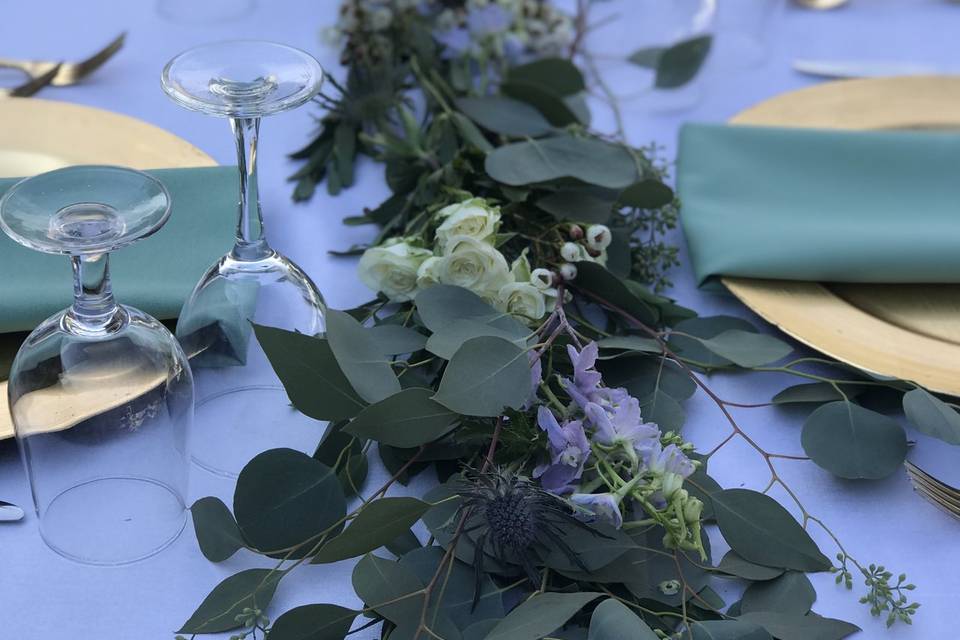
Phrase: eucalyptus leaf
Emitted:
{"points": [[675, 65], [607, 288], [404, 543], [313, 622], [556, 110], [661, 408], [658, 573], [558, 75], [540, 615], [932, 416], [728, 630], [630, 343], [851, 441], [505, 116], [734, 565], [310, 374], [577, 206], [388, 588], [406, 419], [479, 630], [393, 339], [216, 530], [283, 498], [789, 593], [815, 393], [646, 194], [460, 586], [442, 304], [359, 357], [612, 620], [484, 376], [252, 588], [760, 530], [787, 626], [704, 327], [702, 486], [377, 524], [469, 132], [645, 375], [747, 349], [587, 159], [450, 337]]}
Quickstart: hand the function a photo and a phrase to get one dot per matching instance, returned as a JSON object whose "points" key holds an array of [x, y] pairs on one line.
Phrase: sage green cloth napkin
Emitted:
{"points": [[821, 205], [155, 274]]}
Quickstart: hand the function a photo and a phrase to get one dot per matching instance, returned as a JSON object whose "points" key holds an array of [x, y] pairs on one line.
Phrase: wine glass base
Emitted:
{"points": [[234, 425], [113, 521]]}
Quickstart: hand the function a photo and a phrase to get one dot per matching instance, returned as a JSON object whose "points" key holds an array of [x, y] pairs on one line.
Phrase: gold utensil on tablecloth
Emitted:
{"points": [[51, 135], [909, 331], [821, 5], [58, 74]]}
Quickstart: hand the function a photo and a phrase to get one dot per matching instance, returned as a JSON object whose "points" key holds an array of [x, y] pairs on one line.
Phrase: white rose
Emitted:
{"points": [[542, 278], [392, 270], [598, 237], [523, 299], [473, 218], [520, 269], [475, 265], [429, 272]]}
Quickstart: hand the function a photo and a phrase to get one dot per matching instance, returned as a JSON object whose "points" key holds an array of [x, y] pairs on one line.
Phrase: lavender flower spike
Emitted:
{"points": [[604, 506], [569, 450]]}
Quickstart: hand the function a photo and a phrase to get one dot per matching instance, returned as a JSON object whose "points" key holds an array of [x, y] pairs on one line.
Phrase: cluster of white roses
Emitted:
{"points": [[465, 255]]}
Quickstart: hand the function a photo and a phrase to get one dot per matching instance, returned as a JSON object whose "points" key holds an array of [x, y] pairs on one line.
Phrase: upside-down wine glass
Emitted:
{"points": [[101, 394], [242, 410]]}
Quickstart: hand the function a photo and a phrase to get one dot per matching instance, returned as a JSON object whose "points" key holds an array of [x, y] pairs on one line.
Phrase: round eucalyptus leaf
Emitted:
{"points": [[540, 615], [406, 419], [505, 116], [283, 498], [587, 159], [360, 358], [853, 442], [382, 585], [747, 349], [484, 376], [558, 75], [251, 588]]}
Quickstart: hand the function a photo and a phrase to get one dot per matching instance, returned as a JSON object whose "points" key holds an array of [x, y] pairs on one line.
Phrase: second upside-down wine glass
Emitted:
{"points": [[242, 409]]}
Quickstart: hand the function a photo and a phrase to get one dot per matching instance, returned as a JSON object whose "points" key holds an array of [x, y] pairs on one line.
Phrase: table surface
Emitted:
{"points": [[44, 596]]}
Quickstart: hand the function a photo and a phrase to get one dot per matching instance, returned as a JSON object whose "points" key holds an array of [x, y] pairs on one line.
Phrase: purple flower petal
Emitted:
{"points": [[604, 506]]}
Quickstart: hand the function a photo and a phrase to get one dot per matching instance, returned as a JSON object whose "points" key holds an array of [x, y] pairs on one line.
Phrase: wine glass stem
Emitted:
{"points": [[251, 242], [94, 309]]}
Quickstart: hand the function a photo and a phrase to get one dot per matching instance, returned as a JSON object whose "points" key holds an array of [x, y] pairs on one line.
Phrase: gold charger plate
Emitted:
{"points": [[41, 135], [908, 331]]}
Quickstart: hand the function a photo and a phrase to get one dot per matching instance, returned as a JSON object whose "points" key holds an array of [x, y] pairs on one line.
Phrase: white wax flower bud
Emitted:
{"points": [[692, 509], [568, 271], [541, 278], [598, 237], [392, 269], [571, 252]]}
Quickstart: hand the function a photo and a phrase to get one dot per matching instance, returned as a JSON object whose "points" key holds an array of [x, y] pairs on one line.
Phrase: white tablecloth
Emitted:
{"points": [[43, 596]]}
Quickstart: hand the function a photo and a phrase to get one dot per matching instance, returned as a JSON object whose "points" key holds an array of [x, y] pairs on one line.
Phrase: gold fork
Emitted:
{"points": [[59, 74]]}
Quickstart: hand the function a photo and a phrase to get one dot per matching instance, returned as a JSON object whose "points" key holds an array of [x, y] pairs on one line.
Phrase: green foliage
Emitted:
{"points": [[540, 615], [217, 531], [734, 565], [793, 626], [314, 622], [409, 418], [485, 376], [854, 442], [219, 611], [676, 65], [359, 357], [379, 523], [612, 620], [759, 530], [789, 593], [932, 416], [587, 159], [284, 499]]}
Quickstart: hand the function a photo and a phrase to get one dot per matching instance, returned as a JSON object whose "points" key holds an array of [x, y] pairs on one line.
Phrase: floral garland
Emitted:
{"points": [[518, 349]]}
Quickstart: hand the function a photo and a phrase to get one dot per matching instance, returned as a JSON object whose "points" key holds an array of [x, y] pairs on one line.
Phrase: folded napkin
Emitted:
{"points": [[821, 205], [155, 274]]}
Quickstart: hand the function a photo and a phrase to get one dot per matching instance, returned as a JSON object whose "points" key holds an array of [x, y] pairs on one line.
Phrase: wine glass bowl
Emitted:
{"points": [[242, 78], [242, 408], [101, 394]]}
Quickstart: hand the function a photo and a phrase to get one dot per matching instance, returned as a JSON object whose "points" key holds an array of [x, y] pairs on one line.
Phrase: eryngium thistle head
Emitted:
{"points": [[516, 521]]}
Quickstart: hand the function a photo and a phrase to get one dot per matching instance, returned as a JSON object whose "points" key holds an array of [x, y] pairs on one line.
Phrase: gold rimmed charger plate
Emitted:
{"points": [[41, 135], [908, 331]]}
